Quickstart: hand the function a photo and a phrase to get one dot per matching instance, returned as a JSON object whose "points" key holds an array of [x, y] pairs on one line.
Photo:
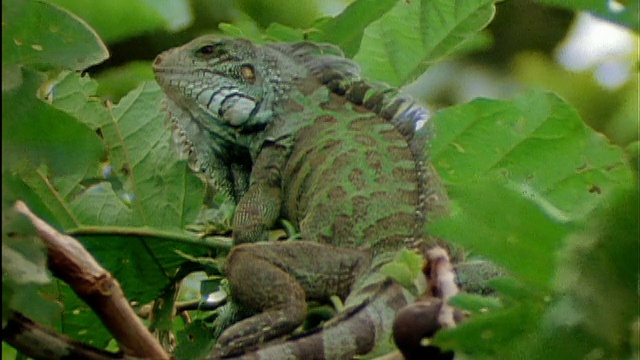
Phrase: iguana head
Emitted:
{"points": [[239, 83], [230, 80]]}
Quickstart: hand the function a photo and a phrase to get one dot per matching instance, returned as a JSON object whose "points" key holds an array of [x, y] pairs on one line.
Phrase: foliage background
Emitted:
{"points": [[524, 169]]}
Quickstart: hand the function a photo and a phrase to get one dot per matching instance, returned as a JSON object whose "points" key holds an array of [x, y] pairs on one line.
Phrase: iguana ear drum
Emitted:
{"points": [[248, 73]]}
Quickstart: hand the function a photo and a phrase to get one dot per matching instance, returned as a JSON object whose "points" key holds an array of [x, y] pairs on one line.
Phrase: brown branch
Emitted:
{"points": [[442, 284], [416, 323], [72, 263], [38, 342]]}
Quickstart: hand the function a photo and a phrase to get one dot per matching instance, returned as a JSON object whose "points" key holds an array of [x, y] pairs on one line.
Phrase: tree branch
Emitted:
{"points": [[69, 261], [38, 342]]}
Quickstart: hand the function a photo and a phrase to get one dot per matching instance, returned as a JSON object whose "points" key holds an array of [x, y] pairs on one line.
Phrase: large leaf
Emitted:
{"points": [[76, 96], [595, 273], [144, 197], [346, 29], [505, 227], [155, 189], [486, 334], [521, 174], [598, 272], [132, 215], [37, 33], [536, 142], [402, 44], [517, 172], [34, 133]]}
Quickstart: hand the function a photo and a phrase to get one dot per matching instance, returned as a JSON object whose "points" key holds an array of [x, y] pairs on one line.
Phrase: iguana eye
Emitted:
{"points": [[248, 73], [206, 50], [211, 50]]}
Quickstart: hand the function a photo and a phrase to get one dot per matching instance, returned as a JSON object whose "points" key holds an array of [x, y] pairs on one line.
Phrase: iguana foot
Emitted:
{"points": [[257, 329]]}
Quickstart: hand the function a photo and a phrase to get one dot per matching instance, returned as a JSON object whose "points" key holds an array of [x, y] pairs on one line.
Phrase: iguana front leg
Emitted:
{"points": [[259, 208]]}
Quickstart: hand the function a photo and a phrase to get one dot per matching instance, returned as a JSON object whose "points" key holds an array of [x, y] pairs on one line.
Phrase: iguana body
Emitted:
{"points": [[336, 156]]}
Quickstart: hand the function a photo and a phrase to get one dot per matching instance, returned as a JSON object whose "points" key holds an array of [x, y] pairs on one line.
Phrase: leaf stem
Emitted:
{"points": [[215, 242]]}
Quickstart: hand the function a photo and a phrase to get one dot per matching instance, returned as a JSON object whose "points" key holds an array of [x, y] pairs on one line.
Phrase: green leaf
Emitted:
{"points": [[491, 332], [346, 29], [597, 274], [503, 226], [593, 309], [278, 32], [117, 20], [76, 95], [78, 319], [38, 33], [169, 194], [297, 14], [561, 343], [144, 197], [8, 352], [194, 341], [406, 268], [24, 271], [161, 190], [245, 28], [116, 82], [476, 304], [535, 142], [520, 173], [402, 44], [35, 133], [633, 152], [512, 290], [621, 12]]}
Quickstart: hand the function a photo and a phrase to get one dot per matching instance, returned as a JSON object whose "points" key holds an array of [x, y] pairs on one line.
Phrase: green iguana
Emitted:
{"points": [[290, 130]]}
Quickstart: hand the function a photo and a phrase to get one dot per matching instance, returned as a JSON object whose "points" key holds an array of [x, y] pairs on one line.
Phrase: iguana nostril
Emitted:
{"points": [[158, 60]]}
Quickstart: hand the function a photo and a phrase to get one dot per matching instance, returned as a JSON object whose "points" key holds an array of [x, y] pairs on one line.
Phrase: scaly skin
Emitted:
{"points": [[338, 157]]}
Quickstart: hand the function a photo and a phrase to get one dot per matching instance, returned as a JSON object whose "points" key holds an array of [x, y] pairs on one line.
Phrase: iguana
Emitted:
{"points": [[290, 130]]}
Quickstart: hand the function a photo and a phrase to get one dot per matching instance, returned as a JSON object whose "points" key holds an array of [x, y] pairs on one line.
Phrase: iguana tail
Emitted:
{"points": [[352, 332]]}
